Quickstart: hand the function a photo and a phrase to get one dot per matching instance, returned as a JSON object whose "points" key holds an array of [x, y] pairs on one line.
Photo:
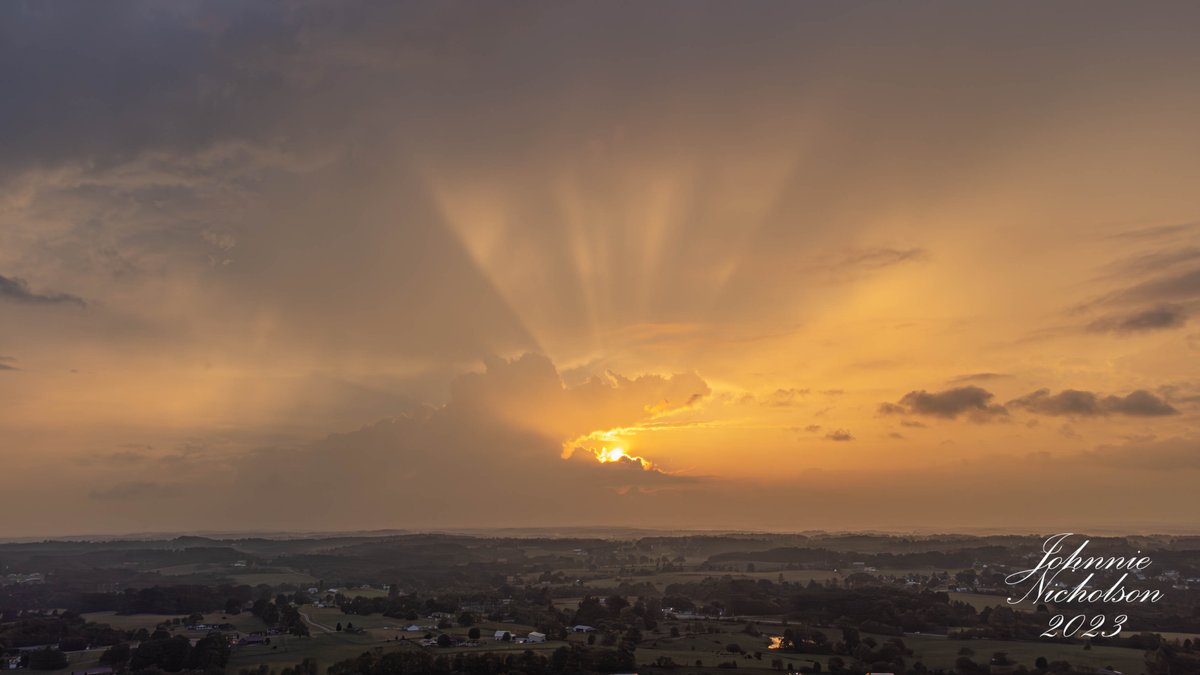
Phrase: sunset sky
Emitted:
{"points": [[313, 266]]}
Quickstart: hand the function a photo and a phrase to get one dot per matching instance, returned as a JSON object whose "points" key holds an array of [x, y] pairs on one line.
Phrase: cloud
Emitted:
{"points": [[1078, 403], [6, 363], [1140, 403], [16, 290], [863, 262], [1162, 317], [785, 397], [877, 258], [839, 435], [499, 440], [1157, 231], [949, 404], [1176, 287], [977, 377]]}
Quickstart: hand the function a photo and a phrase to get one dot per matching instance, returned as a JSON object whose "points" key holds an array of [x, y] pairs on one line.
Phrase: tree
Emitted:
{"points": [[210, 652], [466, 619], [116, 656], [473, 633], [443, 640], [72, 644], [338, 627], [47, 659], [851, 637]]}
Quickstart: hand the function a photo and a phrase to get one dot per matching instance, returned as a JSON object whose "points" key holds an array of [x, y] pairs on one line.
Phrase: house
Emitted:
{"points": [[503, 635], [583, 629], [536, 637], [414, 628]]}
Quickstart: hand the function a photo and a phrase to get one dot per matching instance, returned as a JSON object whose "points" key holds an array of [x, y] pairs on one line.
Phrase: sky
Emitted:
{"points": [[315, 266]]}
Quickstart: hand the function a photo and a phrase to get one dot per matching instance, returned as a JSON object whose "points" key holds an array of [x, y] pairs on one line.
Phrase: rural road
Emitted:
{"points": [[314, 624]]}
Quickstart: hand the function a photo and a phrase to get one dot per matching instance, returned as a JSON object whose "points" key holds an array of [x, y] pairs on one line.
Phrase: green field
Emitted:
{"points": [[326, 648], [942, 652], [244, 622]]}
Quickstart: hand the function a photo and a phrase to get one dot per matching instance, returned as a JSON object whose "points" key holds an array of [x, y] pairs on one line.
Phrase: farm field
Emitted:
{"points": [[244, 622]]}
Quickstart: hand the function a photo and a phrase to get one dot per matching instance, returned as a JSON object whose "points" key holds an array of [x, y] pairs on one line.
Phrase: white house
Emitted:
{"points": [[583, 629], [536, 637], [414, 628], [501, 633]]}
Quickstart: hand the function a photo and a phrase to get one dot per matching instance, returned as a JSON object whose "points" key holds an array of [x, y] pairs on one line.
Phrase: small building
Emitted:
{"points": [[536, 637], [583, 629], [413, 628], [503, 635]]}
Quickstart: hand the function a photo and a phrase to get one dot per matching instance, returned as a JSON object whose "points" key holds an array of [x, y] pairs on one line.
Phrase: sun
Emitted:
{"points": [[615, 454]]}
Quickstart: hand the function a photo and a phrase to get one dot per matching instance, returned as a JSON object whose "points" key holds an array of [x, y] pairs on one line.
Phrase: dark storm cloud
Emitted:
{"points": [[949, 404], [17, 290], [139, 76], [1077, 403], [1162, 317]]}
